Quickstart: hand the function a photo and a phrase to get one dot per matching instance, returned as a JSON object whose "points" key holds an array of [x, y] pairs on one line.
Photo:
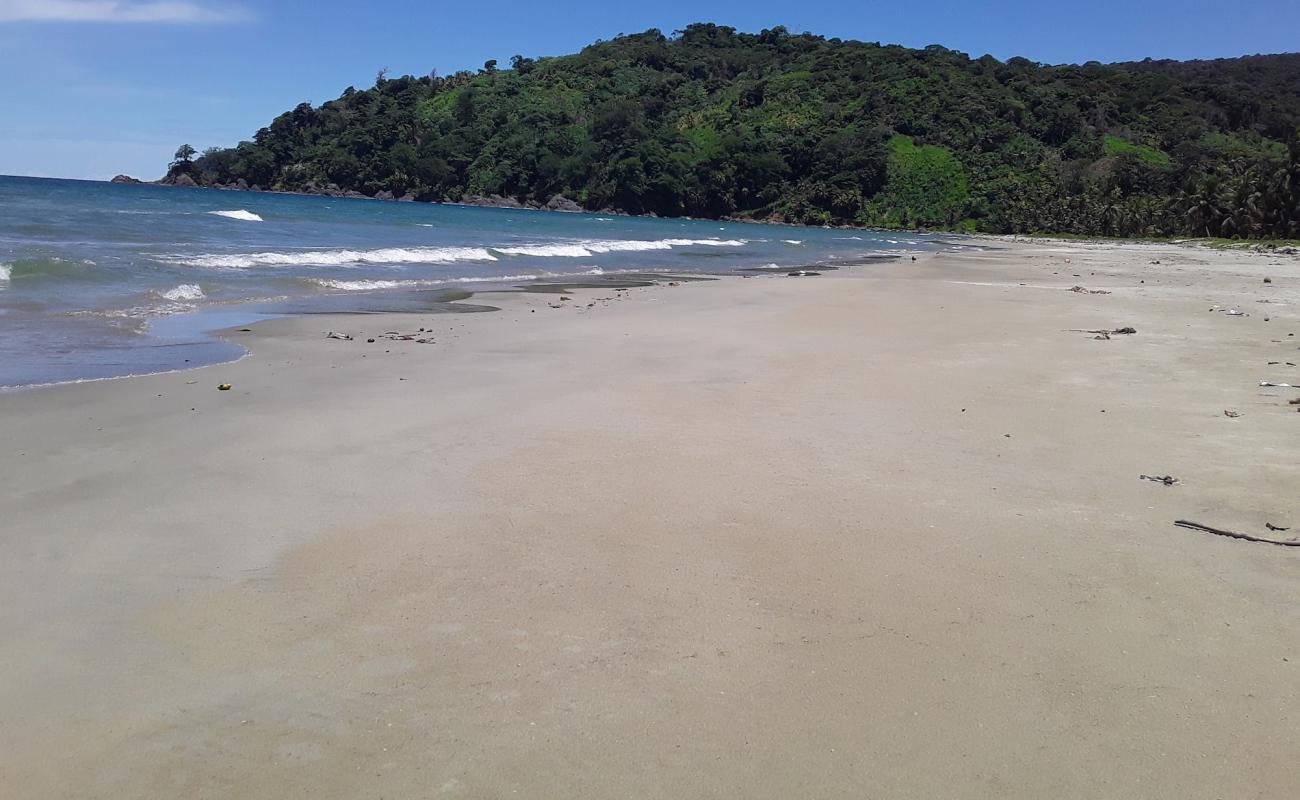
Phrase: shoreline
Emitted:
{"points": [[770, 538]]}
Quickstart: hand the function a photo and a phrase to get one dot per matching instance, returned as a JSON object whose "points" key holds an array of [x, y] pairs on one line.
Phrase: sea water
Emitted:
{"points": [[102, 280]]}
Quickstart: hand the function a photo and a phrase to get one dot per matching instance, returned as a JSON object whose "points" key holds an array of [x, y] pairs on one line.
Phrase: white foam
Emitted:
{"points": [[586, 249], [240, 214], [186, 291], [793, 241], [363, 286], [5, 272], [322, 258], [848, 238], [374, 285], [547, 251]]}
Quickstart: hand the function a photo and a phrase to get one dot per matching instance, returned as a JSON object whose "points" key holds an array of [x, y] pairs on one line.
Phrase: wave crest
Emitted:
{"points": [[186, 291], [586, 249], [330, 258], [240, 214], [44, 268], [374, 285]]}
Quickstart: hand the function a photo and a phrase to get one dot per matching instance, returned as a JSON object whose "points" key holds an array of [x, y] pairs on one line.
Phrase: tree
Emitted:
{"points": [[183, 161]]}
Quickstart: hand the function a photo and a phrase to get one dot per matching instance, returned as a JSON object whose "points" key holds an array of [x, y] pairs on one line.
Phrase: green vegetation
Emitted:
{"points": [[925, 188], [1147, 156], [712, 123]]}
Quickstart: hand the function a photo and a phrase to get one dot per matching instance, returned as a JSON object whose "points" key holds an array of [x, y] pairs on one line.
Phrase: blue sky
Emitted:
{"points": [[91, 88]]}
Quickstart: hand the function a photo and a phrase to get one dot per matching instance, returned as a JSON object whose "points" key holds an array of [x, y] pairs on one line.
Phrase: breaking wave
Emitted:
{"points": [[186, 291], [44, 268], [374, 285], [240, 214], [326, 258], [586, 249]]}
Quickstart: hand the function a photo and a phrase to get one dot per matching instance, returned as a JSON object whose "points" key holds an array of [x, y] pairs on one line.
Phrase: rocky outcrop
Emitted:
{"points": [[561, 203], [179, 179], [491, 201], [383, 194], [125, 179]]}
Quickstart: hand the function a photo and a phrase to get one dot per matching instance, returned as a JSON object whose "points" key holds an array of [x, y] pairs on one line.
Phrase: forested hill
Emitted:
{"points": [[710, 122]]}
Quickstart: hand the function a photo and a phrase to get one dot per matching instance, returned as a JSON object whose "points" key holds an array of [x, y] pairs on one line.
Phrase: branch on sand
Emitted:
{"points": [[1196, 526]]}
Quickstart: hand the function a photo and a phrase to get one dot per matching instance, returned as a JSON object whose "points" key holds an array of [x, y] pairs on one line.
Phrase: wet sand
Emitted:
{"points": [[874, 533]]}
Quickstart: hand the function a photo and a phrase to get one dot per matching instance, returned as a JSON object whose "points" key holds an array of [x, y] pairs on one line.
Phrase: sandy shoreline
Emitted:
{"points": [[875, 533]]}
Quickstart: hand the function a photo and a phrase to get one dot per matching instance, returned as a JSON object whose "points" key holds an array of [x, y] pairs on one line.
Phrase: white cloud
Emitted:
{"points": [[164, 11]]}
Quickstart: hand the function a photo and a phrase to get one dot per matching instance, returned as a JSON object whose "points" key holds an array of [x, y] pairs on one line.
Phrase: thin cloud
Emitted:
{"points": [[115, 11]]}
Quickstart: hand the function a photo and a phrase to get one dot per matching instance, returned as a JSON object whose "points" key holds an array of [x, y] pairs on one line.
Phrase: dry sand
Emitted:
{"points": [[878, 533]]}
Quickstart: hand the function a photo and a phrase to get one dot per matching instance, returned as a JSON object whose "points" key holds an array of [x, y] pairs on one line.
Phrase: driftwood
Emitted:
{"points": [[1196, 526], [1104, 333], [1167, 480], [1122, 331]]}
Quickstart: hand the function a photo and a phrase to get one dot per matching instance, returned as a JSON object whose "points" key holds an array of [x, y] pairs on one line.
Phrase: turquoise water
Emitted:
{"points": [[101, 280]]}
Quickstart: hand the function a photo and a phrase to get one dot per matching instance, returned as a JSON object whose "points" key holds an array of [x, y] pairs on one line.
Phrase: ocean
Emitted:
{"points": [[101, 280]]}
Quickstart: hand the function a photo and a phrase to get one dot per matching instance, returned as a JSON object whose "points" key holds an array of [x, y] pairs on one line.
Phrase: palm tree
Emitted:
{"points": [[1201, 205]]}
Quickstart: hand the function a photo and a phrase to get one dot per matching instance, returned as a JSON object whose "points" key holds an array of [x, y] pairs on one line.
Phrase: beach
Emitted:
{"points": [[874, 533]]}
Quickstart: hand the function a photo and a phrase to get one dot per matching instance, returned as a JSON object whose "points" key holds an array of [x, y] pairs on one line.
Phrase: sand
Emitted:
{"points": [[878, 533]]}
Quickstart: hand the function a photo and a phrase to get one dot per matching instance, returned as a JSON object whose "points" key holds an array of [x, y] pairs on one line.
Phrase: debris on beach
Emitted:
{"points": [[1273, 527], [1278, 385], [1106, 333], [223, 387], [1167, 480], [336, 335], [1230, 414], [1196, 526], [1086, 290], [802, 273]]}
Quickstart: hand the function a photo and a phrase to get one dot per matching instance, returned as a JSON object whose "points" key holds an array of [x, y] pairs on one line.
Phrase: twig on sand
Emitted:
{"points": [[1086, 290], [1196, 526], [1167, 480]]}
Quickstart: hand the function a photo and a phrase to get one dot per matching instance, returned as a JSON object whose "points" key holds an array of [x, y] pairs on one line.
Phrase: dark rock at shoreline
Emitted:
{"points": [[125, 179], [384, 194], [179, 179], [406, 198], [241, 185], [561, 203], [491, 201]]}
